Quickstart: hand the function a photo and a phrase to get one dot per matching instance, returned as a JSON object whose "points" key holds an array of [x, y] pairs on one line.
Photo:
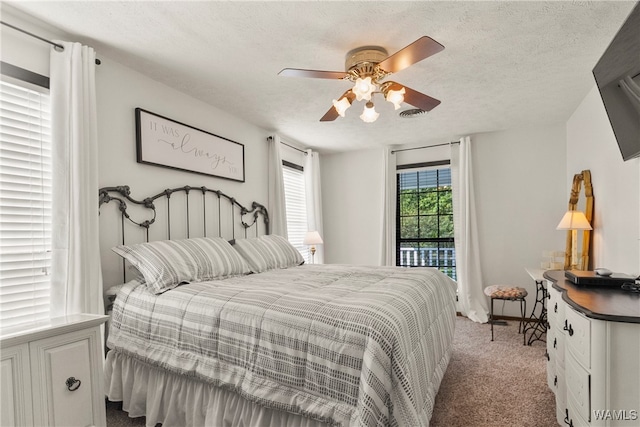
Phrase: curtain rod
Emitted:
{"points": [[59, 46], [290, 146], [426, 146]]}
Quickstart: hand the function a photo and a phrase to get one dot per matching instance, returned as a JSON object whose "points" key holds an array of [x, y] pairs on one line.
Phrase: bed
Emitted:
{"points": [[252, 338]]}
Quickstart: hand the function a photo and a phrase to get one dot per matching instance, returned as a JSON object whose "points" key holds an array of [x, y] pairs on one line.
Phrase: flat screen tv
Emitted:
{"points": [[617, 75]]}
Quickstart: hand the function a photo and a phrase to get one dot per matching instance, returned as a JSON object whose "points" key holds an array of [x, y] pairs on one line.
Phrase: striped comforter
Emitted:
{"points": [[343, 344]]}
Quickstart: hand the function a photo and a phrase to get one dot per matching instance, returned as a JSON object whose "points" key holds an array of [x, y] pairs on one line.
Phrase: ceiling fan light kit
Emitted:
{"points": [[364, 88], [366, 67], [341, 105], [369, 115], [396, 97]]}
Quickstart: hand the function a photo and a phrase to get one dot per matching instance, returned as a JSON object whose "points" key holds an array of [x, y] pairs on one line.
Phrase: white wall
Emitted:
{"points": [[21, 50], [352, 207], [520, 198], [591, 145], [119, 91]]}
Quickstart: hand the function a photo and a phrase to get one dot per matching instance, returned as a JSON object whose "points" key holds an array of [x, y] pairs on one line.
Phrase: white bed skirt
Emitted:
{"points": [[167, 398]]}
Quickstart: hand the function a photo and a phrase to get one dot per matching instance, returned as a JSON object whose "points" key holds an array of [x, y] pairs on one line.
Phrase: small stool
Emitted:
{"points": [[510, 293]]}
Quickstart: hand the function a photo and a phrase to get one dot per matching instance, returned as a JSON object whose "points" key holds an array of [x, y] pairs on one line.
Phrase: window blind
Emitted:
{"points": [[25, 204], [296, 205]]}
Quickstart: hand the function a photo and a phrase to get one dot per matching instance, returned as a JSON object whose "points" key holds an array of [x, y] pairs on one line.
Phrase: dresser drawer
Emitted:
{"points": [[558, 344], [578, 387], [574, 417], [578, 337], [552, 304], [551, 373], [551, 335], [555, 307], [561, 396]]}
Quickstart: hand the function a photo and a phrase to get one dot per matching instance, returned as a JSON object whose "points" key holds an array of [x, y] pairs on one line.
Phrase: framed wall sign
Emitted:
{"points": [[164, 142]]}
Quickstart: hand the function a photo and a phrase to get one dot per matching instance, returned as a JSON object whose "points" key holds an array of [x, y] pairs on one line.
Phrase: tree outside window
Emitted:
{"points": [[425, 220]]}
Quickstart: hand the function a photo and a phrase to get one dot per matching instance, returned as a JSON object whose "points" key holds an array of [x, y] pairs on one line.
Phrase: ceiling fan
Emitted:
{"points": [[366, 67]]}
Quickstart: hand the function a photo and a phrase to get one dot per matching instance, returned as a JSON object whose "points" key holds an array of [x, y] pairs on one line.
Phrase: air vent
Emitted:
{"points": [[414, 112]]}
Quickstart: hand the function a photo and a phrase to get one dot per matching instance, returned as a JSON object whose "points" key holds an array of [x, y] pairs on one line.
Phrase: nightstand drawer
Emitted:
{"points": [[62, 383], [67, 381]]}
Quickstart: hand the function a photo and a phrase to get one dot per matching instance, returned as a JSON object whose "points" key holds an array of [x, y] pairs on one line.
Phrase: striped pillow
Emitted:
{"points": [[268, 252], [167, 263]]}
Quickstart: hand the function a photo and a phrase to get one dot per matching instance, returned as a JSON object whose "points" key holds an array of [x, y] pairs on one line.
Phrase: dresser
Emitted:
{"points": [[52, 373], [593, 353]]}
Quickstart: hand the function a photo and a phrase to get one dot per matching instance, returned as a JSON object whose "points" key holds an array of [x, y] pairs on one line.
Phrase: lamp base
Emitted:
{"points": [[313, 253]]}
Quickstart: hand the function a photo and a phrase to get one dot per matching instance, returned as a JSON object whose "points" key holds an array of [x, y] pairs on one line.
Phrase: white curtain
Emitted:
{"points": [[388, 236], [314, 199], [276, 205], [76, 278], [473, 303]]}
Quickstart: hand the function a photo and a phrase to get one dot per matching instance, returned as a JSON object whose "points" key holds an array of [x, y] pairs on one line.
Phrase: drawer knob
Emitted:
{"points": [[546, 354], [555, 343], [555, 381], [73, 384], [567, 421], [555, 307], [568, 328]]}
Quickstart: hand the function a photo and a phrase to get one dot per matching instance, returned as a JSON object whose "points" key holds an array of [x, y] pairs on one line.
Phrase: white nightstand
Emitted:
{"points": [[52, 373]]}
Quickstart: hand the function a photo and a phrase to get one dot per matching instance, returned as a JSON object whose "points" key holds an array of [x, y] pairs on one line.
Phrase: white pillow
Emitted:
{"points": [[268, 252], [167, 263]]}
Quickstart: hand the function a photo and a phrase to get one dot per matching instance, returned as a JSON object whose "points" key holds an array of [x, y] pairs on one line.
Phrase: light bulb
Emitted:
{"points": [[369, 114], [363, 88], [396, 97], [342, 105]]}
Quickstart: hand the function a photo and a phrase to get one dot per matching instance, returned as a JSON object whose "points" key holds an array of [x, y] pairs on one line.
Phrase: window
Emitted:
{"points": [[296, 203], [25, 203], [425, 219]]}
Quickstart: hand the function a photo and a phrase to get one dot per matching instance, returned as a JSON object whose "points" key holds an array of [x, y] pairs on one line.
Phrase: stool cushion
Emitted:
{"points": [[505, 292]]}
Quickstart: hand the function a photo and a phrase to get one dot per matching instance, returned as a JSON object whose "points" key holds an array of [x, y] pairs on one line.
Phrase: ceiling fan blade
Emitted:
{"points": [[314, 74], [417, 99], [415, 52], [332, 114]]}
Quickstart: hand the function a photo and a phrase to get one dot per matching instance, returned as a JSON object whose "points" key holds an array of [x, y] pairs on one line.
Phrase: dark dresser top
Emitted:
{"points": [[604, 303]]}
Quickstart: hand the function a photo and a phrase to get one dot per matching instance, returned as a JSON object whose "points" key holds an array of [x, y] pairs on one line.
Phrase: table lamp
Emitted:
{"points": [[312, 238], [574, 221]]}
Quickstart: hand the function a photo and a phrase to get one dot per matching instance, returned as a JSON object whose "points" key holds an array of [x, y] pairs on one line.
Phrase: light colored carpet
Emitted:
{"points": [[487, 384], [494, 384]]}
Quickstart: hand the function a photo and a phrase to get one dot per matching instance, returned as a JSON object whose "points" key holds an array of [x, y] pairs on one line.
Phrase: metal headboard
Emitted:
{"points": [[215, 205]]}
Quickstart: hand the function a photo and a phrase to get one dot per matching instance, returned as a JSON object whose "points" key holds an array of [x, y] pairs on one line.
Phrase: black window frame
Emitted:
{"points": [[437, 240]]}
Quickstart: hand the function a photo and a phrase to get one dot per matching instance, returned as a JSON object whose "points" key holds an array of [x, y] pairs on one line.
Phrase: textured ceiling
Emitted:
{"points": [[505, 64]]}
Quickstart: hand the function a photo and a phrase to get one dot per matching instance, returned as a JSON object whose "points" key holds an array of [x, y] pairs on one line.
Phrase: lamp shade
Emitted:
{"points": [[574, 220], [312, 238]]}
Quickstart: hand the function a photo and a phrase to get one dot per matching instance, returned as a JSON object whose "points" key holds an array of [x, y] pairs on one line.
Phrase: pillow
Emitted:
{"points": [[268, 252], [167, 263]]}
